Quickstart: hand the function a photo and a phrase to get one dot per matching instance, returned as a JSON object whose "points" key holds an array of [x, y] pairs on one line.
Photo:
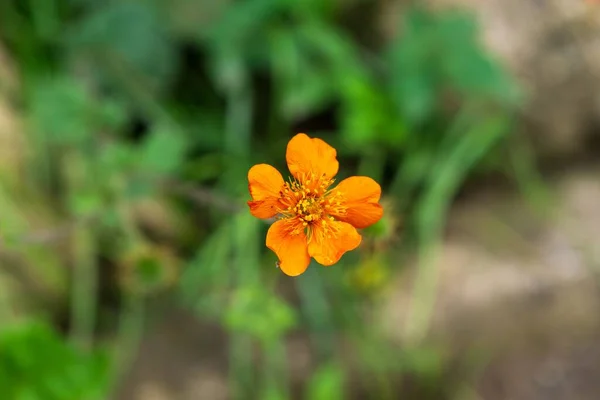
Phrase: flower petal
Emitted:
{"points": [[361, 196], [264, 184], [311, 155], [328, 251], [290, 247]]}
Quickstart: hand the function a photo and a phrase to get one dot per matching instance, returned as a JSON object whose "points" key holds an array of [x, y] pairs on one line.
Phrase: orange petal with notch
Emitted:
{"points": [[328, 251], [264, 184], [361, 196], [311, 155], [291, 248]]}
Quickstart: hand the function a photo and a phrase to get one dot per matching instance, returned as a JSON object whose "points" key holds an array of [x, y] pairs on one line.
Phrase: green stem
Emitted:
{"points": [[528, 178], [240, 361], [447, 177], [131, 329], [317, 310], [7, 315], [84, 289], [275, 376], [84, 282]]}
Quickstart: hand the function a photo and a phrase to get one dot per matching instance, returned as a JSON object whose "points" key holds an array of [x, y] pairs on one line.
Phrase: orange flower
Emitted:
{"points": [[314, 220]]}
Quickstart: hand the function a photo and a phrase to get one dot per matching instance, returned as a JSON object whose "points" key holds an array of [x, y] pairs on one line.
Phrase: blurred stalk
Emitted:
{"points": [[129, 336], [238, 125], [446, 179], [131, 313], [244, 252], [84, 288], [7, 315], [317, 311], [528, 178], [42, 269], [241, 366], [238, 129], [84, 282], [275, 375], [419, 157]]}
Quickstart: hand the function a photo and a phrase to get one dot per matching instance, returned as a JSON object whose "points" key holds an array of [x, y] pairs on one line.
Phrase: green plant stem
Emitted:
{"points": [[528, 177], [317, 310], [131, 328], [238, 127], [241, 366], [132, 312], [84, 281], [84, 289], [239, 118], [275, 377], [7, 315], [446, 179]]}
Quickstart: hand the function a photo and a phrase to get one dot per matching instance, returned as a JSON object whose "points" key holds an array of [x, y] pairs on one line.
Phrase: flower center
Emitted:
{"points": [[309, 200]]}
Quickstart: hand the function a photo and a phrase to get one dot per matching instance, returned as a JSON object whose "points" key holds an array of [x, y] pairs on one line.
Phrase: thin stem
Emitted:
{"points": [[84, 288], [131, 328], [240, 361], [275, 376], [317, 310], [7, 314], [447, 177], [84, 282]]}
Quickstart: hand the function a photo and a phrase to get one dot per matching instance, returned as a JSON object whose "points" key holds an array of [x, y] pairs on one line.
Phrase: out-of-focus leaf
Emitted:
{"points": [[131, 33], [205, 168], [437, 51], [316, 9], [62, 111], [368, 116], [205, 275], [466, 63], [113, 114], [259, 313], [86, 202], [163, 151], [192, 18], [241, 23], [115, 158], [327, 383], [304, 86], [413, 62], [424, 361], [36, 363]]}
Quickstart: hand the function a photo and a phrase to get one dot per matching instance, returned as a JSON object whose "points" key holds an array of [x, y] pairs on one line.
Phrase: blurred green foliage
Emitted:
{"points": [[37, 364], [170, 102]]}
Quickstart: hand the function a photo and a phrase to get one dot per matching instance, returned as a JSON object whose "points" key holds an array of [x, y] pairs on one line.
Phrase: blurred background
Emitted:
{"points": [[131, 269]]}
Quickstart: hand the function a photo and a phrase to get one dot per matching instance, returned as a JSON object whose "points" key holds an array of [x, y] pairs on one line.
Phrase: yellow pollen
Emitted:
{"points": [[309, 202]]}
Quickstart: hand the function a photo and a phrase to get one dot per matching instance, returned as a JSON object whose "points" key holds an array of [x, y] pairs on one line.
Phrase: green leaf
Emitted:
{"points": [[368, 115], [162, 152], [241, 24], [36, 363], [86, 203], [466, 63], [129, 33], [437, 51], [260, 314], [62, 111], [304, 85], [327, 383], [413, 79]]}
